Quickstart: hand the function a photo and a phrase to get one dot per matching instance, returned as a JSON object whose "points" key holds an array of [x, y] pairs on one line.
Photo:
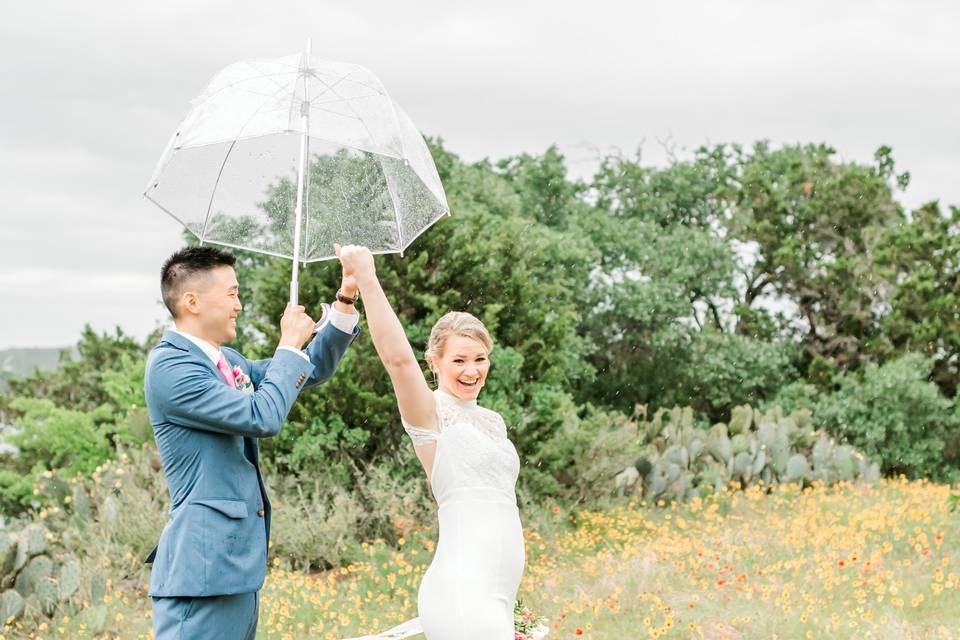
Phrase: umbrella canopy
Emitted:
{"points": [[287, 156]]}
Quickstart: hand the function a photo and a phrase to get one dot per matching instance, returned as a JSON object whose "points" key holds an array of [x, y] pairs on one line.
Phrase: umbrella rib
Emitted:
{"points": [[328, 86], [394, 201], [269, 76], [427, 226], [213, 192], [185, 225], [308, 99], [306, 198], [254, 114], [378, 91], [315, 105], [396, 124], [350, 106], [336, 113]]}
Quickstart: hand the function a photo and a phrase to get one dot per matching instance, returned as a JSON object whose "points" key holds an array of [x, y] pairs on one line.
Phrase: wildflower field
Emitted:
{"points": [[850, 561]]}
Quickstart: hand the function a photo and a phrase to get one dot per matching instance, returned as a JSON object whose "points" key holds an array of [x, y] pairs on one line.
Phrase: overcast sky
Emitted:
{"points": [[91, 91]]}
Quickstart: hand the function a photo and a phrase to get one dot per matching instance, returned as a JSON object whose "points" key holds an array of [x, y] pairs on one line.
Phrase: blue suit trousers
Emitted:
{"points": [[232, 617]]}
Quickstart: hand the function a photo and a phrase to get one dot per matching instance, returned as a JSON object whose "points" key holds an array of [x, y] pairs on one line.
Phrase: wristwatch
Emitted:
{"points": [[346, 300]]}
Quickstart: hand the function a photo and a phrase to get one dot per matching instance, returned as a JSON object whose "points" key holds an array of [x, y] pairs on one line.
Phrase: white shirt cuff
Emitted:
{"points": [[345, 322], [296, 351]]}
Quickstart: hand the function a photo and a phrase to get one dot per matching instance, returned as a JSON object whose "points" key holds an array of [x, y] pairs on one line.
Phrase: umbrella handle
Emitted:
{"points": [[294, 285]]}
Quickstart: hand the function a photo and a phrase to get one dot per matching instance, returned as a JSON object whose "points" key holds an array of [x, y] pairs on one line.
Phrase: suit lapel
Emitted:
{"points": [[178, 341]]}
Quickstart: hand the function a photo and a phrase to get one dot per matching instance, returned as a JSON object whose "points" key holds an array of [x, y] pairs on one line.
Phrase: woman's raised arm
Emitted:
{"points": [[414, 398]]}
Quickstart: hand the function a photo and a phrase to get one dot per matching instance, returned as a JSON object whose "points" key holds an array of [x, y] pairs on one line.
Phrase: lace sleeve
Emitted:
{"points": [[420, 435]]}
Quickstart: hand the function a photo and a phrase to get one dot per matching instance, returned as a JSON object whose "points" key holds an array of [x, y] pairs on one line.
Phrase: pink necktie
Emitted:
{"points": [[225, 371]]}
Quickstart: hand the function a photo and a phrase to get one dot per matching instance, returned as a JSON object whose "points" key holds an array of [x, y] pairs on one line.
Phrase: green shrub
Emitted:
{"points": [[52, 437], [724, 370], [894, 415], [580, 458], [322, 524], [71, 441], [795, 396]]}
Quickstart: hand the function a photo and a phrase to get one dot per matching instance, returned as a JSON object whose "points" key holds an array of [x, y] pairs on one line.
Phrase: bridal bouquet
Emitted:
{"points": [[528, 625]]}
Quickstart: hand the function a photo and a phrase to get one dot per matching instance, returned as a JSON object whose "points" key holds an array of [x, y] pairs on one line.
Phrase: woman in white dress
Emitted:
{"points": [[468, 592]]}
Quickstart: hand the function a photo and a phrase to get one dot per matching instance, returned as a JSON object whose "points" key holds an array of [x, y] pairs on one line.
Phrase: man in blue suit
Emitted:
{"points": [[209, 406]]}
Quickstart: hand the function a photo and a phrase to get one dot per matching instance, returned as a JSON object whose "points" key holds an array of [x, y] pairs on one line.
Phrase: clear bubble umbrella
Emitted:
{"points": [[287, 156]]}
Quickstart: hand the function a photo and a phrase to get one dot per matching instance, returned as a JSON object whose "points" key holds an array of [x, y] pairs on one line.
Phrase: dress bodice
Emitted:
{"points": [[472, 449]]}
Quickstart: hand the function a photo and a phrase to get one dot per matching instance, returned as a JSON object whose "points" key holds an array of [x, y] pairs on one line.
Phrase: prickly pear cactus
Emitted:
{"points": [[753, 448], [8, 553], [110, 510], [98, 588], [95, 618], [868, 471], [797, 468], [69, 579], [696, 447], [743, 465], [759, 462], [718, 444], [740, 419], [626, 479], [740, 442], [48, 594], [678, 455], [23, 554], [35, 536], [11, 606], [81, 503], [30, 576], [843, 462], [682, 488]]}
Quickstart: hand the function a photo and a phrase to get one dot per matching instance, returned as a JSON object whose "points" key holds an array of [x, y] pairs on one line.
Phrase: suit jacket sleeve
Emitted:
{"points": [[326, 350], [198, 400]]}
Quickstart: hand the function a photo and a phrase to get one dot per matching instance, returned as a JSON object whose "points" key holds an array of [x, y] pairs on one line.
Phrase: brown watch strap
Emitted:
{"points": [[344, 299]]}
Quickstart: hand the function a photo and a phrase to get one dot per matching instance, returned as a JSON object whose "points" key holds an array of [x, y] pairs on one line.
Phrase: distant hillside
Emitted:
{"points": [[21, 361]]}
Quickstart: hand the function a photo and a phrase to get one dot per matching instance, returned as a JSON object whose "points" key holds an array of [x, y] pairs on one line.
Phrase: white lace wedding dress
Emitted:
{"points": [[469, 590]]}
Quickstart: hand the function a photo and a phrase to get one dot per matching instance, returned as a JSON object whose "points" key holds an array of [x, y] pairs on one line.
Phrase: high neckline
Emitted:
{"points": [[459, 401]]}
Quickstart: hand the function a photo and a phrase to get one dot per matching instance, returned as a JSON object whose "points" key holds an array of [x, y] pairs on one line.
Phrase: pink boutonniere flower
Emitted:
{"points": [[242, 380]]}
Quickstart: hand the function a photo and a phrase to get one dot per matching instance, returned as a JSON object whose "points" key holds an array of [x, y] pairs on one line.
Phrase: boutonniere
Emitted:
{"points": [[242, 380]]}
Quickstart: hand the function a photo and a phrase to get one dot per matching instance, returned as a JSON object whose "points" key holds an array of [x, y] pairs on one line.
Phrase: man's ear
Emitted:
{"points": [[189, 303]]}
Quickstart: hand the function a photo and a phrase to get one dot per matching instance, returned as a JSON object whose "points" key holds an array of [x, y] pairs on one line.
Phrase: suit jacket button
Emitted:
{"points": [[260, 512]]}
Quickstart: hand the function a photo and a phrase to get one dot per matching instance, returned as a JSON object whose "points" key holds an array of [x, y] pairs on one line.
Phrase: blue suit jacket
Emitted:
{"points": [[215, 542]]}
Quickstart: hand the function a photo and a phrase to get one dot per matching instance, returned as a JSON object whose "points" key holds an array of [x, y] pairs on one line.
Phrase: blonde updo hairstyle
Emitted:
{"points": [[455, 323]]}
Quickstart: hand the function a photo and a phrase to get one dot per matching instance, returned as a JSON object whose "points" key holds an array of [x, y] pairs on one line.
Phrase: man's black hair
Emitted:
{"points": [[184, 265]]}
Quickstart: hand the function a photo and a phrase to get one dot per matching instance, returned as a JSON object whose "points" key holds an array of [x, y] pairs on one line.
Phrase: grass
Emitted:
{"points": [[851, 561]]}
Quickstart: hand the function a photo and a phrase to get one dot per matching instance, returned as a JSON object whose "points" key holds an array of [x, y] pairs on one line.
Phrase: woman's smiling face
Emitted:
{"points": [[462, 367]]}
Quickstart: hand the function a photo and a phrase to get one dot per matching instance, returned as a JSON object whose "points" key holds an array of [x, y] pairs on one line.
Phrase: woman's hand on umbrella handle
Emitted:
{"points": [[356, 262]]}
